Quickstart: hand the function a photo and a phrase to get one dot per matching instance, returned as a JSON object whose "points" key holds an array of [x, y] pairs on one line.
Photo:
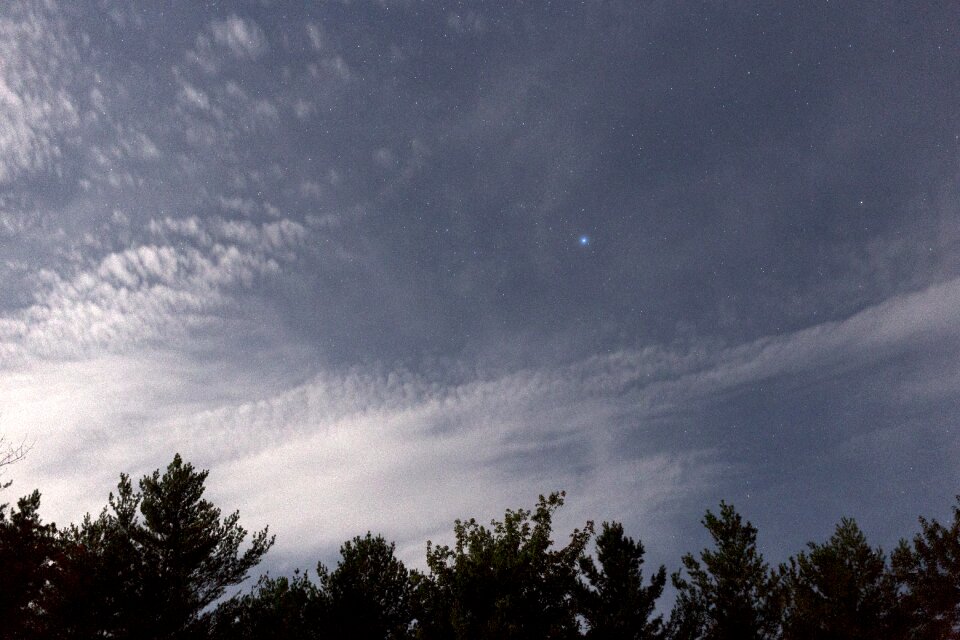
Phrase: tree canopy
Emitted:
{"points": [[730, 593], [841, 589], [158, 560]]}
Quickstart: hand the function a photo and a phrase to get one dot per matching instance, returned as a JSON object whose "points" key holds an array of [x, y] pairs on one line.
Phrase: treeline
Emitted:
{"points": [[157, 561]]}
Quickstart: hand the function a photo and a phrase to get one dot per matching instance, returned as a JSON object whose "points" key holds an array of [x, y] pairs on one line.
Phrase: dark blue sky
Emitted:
{"points": [[332, 251]]}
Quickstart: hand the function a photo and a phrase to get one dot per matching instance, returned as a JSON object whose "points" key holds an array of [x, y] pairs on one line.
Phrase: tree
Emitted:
{"points": [[506, 581], [929, 569], [276, 609], [106, 572], [9, 454], [192, 555], [733, 594], [617, 605], [840, 590], [369, 592], [154, 560], [28, 568]]}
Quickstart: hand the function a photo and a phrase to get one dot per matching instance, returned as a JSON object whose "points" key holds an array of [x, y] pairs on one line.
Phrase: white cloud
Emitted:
{"points": [[241, 36], [392, 450], [35, 107], [385, 157], [315, 35], [193, 97], [362, 449], [148, 292], [303, 109], [338, 66]]}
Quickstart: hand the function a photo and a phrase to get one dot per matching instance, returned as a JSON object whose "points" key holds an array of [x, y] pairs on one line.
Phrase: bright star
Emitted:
{"points": [[584, 241]]}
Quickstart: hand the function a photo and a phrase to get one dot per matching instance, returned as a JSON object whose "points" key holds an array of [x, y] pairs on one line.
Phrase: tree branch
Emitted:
{"points": [[11, 453]]}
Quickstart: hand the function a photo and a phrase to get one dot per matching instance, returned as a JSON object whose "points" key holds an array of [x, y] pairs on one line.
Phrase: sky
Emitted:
{"points": [[382, 265]]}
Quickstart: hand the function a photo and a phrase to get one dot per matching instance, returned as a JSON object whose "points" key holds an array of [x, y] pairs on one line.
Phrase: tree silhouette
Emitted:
{"points": [[191, 554], [506, 581], [276, 609], [155, 559], [929, 569], [840, 590], [369, 592], [28, 568], [732, 595], [617, 605]]}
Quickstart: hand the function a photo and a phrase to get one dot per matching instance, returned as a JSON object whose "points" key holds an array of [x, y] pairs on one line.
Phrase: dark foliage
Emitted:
{"points": [[275, 609], [369, 592], [840, 590], [157, 561], [505, 581], [617, 605], [29, 563], [147, 567], [190, 556], [730, 593], [929, 569]]}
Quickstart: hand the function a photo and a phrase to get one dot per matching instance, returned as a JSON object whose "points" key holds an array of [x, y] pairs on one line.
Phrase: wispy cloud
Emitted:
{"points": [[35, 107], [405, 452], [241, 36]]}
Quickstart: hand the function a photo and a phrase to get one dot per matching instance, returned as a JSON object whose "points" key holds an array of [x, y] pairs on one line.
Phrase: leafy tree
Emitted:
{"points": [[28, 569], [840, 590], [506, 581], [617, 605], [732, 594], [369, 592], [276, 609], [929, 569]]}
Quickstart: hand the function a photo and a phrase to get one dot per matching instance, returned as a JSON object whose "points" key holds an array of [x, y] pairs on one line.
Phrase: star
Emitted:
{"points": [[584, 240]]}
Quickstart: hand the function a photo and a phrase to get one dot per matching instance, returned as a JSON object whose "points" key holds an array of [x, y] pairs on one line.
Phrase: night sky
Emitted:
{"points": [[381, 265]]}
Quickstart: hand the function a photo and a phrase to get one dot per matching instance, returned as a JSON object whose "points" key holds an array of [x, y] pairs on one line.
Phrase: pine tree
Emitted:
{"points": [[191, 555], [617, 605], [732, 595], [155, 559], [929, 569], [29, 563], [840, 590]]}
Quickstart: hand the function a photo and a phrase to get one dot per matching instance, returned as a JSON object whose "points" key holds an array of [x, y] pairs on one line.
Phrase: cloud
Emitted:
{"points": [[35, 106], [338, 66], [148, 292], [242, 37], [194, 97], [403, 452], [385, 157], [340, 453], [315, 35], [470, 22]]}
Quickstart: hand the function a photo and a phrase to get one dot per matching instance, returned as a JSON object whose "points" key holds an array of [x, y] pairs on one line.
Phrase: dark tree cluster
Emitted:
{"points": [[158, 560]]}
